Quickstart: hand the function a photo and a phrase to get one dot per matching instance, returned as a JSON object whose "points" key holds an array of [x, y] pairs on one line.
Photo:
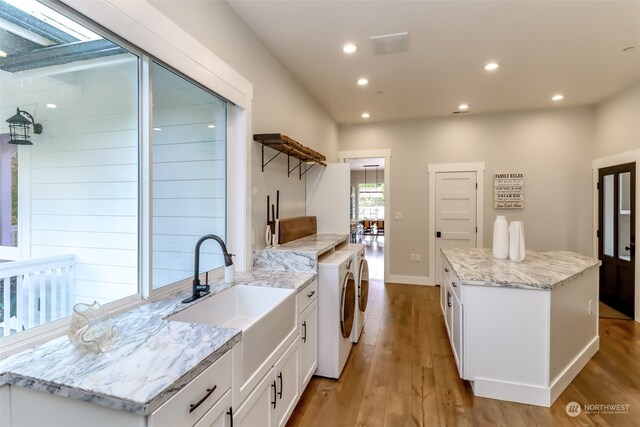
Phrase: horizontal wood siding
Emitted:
{"points": [[84, 177], [189, 172]]}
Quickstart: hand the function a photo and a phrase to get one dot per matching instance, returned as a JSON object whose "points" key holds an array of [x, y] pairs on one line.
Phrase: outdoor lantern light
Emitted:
{"points": [[20, 128]]}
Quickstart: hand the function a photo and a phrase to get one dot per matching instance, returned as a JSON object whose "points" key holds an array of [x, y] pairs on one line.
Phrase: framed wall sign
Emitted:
{"points": [[508, 190]]}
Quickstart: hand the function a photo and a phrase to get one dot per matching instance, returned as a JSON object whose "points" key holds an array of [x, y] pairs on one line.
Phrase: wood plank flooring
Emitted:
{"points": [[402, 373]]}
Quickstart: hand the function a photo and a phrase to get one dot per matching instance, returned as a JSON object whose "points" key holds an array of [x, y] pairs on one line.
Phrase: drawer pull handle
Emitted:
{"points": [[304, 327], [275, 394], [280, 392], [310, 294], [230, 413], [193, 406]]}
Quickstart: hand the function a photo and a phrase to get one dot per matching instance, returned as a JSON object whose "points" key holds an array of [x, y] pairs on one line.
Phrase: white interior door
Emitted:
{"points": [[328, 197], [455, 212]]}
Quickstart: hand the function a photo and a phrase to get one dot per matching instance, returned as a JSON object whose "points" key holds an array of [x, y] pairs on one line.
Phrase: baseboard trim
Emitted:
{"points": [[410, 280], [563, 380], [532, 394]]}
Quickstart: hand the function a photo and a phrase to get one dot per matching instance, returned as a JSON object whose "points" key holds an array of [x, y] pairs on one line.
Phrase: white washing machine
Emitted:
{"points": [[360, 270], [336, 306]]}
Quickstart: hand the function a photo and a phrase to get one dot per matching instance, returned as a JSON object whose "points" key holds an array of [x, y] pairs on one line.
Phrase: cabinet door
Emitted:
{"points": [[448, 297], [308, 352], [456, 331], [257, 409], [287, 383], [219, 415]]}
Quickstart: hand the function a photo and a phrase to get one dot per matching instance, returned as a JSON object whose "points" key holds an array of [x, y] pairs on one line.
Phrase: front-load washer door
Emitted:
{"points": [[347, 305], [363, 290]]}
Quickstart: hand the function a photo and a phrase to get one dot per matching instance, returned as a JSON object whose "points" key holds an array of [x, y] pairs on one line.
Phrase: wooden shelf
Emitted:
{"points": [[284, 144]]}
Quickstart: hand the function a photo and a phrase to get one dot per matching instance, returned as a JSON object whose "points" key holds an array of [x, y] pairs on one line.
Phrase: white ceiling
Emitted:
{"points": [[545, 47]]}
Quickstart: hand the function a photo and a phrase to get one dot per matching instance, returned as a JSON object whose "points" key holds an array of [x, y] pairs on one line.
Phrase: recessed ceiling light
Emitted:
{"points": [[557, 97], [157, 129], [362, 81], [349, 48], [211, 126], [3, 54], [365, 115], [491, 66], [52, 106], [463, 106]]}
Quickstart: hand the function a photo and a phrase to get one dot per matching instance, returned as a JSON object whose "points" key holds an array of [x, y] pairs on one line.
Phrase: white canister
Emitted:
{"points": [[516, 241], [501, 237], [229, 274], [268, 236]]}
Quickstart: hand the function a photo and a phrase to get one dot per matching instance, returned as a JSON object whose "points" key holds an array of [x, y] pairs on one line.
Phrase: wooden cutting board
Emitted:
{"points": [[297, 228]]}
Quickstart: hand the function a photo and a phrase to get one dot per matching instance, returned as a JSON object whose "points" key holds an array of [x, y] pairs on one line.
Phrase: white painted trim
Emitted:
{"points": [[512, 392], [410, 280], [434, 168], [147, 28], [239, 155], [618, 159], [562, 381], [145, 147], [388, 226]]}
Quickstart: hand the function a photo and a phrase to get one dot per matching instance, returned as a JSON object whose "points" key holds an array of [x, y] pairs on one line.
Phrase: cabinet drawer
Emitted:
{"points": [[455, 285], [307, 295], [175, 411]]}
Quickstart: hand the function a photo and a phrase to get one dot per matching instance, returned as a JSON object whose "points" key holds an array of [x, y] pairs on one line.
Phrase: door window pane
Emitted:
{"points": [[189, 170], [624, 216], [608, 195], [76, 211]]}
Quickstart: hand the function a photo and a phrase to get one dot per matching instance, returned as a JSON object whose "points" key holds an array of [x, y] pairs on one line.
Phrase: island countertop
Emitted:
{"points": [[152, 359], [539, 270]]}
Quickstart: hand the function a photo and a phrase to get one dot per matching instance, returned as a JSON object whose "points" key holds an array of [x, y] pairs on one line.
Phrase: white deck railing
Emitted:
{"points": [[38, 291]]}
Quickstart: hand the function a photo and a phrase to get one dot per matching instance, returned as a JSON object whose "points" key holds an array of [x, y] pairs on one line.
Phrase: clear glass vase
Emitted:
{"points": [[91, 328]]}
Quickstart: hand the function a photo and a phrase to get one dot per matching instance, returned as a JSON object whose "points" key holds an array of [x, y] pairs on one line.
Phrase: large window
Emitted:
{"points": [[189, 143], [70, 224]]}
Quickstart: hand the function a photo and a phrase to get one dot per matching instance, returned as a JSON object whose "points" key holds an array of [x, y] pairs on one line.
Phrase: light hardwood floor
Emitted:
{"points": [[402, 373]]}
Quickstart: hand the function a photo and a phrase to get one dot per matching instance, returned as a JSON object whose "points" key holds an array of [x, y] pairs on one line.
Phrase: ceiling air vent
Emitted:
{"points": [[390, 43], [460, 112]]}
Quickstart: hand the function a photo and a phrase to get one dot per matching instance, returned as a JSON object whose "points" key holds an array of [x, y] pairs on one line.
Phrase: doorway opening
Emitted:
{"points": [[616, 240], [367, 210], [370, 207]]}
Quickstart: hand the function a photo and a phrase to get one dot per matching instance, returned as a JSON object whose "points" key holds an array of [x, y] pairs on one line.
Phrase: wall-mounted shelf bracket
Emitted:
{"points": [[284, 144], [268, 161]]}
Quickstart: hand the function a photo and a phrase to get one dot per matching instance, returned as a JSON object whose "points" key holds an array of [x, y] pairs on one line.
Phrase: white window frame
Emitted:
{"points": [[150, 31]]}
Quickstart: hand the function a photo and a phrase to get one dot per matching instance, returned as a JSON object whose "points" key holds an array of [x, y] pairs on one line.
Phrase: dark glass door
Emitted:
{"points": [[616, 236]]}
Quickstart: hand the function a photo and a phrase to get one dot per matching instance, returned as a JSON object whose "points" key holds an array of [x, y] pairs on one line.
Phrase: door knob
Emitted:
{"points": [[630, 247]]}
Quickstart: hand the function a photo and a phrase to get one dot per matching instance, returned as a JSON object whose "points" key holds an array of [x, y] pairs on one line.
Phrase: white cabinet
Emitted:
{"points": [[275, 396], [191, 403], [455, 329], [219, 415], [452, 310], [308, 344]]}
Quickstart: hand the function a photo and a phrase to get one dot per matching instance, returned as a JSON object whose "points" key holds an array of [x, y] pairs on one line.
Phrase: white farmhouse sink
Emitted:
{"points": [[265, 315]]}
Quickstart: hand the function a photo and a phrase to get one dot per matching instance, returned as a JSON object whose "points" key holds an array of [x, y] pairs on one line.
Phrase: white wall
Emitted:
{"points": [[618, 123], [554, 149], [280, 103]]}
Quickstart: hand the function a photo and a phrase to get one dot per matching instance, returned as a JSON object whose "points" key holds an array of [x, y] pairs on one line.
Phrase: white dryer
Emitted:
{"points": [[360, 270], [336, 304]]}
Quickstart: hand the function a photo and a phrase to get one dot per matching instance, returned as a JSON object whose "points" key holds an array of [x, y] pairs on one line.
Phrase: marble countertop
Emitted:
{"points": [[316, 243], [298, 255], [539, 270], [152, 359]]}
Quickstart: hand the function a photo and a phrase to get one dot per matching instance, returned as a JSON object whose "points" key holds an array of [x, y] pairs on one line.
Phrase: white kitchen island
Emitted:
{"points": [[520, 332]]}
